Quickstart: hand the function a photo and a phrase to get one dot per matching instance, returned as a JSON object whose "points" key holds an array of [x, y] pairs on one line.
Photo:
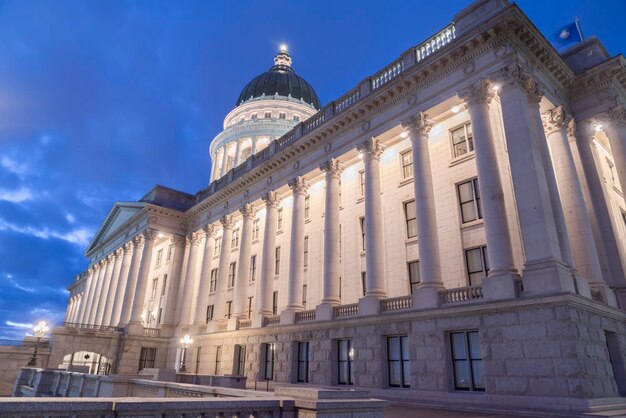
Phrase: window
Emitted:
{"points": [[306, 251], [229, 309], [304, 296], [282, 115], [398, 361], [169, 252], [363, 282], [362, 223], [275, 303], [218, 359], [218, 246], [249, 307], [159, 258], [234, 243], [255, 229], [414, 275], [361, 183], [198, 350], [231, 274], [296, 118], [155, 285], [240, 358], [253, 116], [339, 288], [268, 115], [410, 215], [477, 263], [209, 313], [268, 368], [253, 268], [467, 361], [469, 199], [307, 207], [462, 140], [160, 314], [303, 362], [611, 166], [345, 355], [277, 263], [213, 282], [164, 289], [279, 223], [407, 164], [146, 358]]}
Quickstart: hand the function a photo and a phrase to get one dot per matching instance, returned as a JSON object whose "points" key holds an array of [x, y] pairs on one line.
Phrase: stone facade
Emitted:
{"points": [[12, 359]]}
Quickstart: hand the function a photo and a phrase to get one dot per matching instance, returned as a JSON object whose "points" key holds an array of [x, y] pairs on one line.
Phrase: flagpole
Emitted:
{"points": [[580, 31]]}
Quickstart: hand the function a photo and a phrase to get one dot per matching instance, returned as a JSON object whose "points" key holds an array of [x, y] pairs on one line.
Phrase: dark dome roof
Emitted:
{"points": [[281, 79]]}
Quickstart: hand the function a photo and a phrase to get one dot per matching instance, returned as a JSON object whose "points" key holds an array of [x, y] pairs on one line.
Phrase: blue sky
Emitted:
{"points": [[100, 101]]}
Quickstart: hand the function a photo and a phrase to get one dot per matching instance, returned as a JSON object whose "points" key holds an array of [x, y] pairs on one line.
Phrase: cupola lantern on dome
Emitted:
{"points": [[280, 82]]}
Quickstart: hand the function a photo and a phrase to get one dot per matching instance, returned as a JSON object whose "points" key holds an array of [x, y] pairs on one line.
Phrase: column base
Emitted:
{"points": [[288, 316], [547, 277], [369, 305], [232, 324], [324, 311], [134, 328], [500, 285], [427, 296], [257, 320], [582, 285]]}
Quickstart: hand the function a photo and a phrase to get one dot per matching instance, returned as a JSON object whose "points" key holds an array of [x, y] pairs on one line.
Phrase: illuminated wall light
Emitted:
{"points": [[404, 134], [360, 155], [456, 109], [599, 127], [496, 87], [160, 235]]}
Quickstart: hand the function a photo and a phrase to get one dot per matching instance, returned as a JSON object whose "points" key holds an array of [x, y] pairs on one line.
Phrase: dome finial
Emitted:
{"points": [[283, 57]]}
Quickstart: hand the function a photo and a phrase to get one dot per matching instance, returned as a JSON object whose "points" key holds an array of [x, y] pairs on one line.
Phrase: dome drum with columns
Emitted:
{"points": [[455, 223]]}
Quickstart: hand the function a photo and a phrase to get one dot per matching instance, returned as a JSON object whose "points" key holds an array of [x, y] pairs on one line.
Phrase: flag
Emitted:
{"points": [[569, 34]]}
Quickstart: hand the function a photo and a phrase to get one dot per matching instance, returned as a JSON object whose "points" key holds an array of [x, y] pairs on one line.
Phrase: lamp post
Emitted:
{"points": [[40, 331], [185, 342]]}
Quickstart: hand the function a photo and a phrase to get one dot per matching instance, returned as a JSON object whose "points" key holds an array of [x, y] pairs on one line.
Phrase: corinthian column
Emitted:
{"points": [[205, 274], [134, 325], [427, 295], [243, 268], [228, 222], [332, 267], [116, 310], [131, 283], [264, 284], [174, 279], [616, 131], [184, 320], [111, 285], [96, 292], [500, 281], [87, 293]]}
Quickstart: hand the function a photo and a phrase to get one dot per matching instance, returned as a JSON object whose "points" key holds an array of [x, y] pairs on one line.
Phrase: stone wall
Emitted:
{"points": [[12, 359]]}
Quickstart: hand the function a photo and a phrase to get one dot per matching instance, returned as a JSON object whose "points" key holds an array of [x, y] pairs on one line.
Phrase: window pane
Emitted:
{"points": [[468, 211], [476, 279], [477, 374], [466, 193], [394, 348], [406, 374], [395, 376], [412, 228], [474, 345], [458, 346], [474, 260], [461, 377], [404, 342]]}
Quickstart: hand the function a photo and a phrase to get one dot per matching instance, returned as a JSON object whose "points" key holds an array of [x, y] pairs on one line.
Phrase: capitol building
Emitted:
{"points": [[452, 229]]}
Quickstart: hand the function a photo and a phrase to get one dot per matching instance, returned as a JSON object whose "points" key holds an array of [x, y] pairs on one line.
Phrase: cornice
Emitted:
{"points": [[601, 76]]}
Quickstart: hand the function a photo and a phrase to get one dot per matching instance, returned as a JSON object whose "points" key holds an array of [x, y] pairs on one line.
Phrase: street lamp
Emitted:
{"points": [[185, 342], [40, 331]]}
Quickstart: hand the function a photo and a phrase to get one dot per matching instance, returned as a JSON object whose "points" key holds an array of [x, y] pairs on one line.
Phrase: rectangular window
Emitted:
{"points": [[467, 361], [268, 361], [169, 252], [249, 307], [282, 115], [477, 264], [362, 225], [209, 313], [213, 282], [361, 183], [160, 314], [218, 360], [345, 355], [229, 309], [234, 242], [469, 199], [296, 118], [218, 246], [339, 288], [231, 273], [414, 275], [410, 218], [255, 229], [279, 222], [462, 140], [164, 289], [304, 296], [198, 357], [253, 268], [306, 251], [307, 207], [277, 262], [275, 303], [159, 258], [407, 164], [253, 116], [364, 282], [155, 285], [146, 358], [240, 358], [303, 361], [398, 361], [268, 115]]}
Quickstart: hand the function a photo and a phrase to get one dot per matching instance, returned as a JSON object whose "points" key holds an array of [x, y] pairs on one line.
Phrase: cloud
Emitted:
{"points": [[16, 196], [13, 166], [19, 325], [70, 218], [78, 236]]}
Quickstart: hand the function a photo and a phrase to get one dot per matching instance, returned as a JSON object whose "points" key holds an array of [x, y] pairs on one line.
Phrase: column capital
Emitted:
{"points": [[194, 238], [556, 119], [272, 199], [149, 234], [119, 252], [139, 241], [516, 74], [248, 211], [177, 241], [332, 167], [373, 147], [128, 246], [209, 230], [419, 123], [617, 114], [228, 221], [481, 92], [571, 128], [92, 269], [299, 185]]}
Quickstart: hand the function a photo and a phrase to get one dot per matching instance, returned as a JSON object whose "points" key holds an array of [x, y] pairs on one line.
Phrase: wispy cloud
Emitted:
{"points": [[78, 236], [19, 325], [17, 196], [70, 218], [14, 166]]}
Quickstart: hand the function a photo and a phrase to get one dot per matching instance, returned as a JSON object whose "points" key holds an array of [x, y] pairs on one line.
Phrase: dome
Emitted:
{"points": [[281, 79]]}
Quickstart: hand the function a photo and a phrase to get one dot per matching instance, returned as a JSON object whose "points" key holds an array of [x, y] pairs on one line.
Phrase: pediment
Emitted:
{"points": [[118, 215]]}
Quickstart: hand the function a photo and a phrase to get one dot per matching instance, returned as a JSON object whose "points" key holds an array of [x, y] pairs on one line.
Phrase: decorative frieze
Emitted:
{"points": [[372, 147], [333, 167]]}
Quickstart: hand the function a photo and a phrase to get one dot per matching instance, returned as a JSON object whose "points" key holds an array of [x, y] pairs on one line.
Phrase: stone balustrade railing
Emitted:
{"points": [[90, 326], [268, 321], [396, 304], [245, 323], [387, 74], [461, 295], [347, 100], [343, 311], [305, 315], [154, 332], [435, 43]]}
